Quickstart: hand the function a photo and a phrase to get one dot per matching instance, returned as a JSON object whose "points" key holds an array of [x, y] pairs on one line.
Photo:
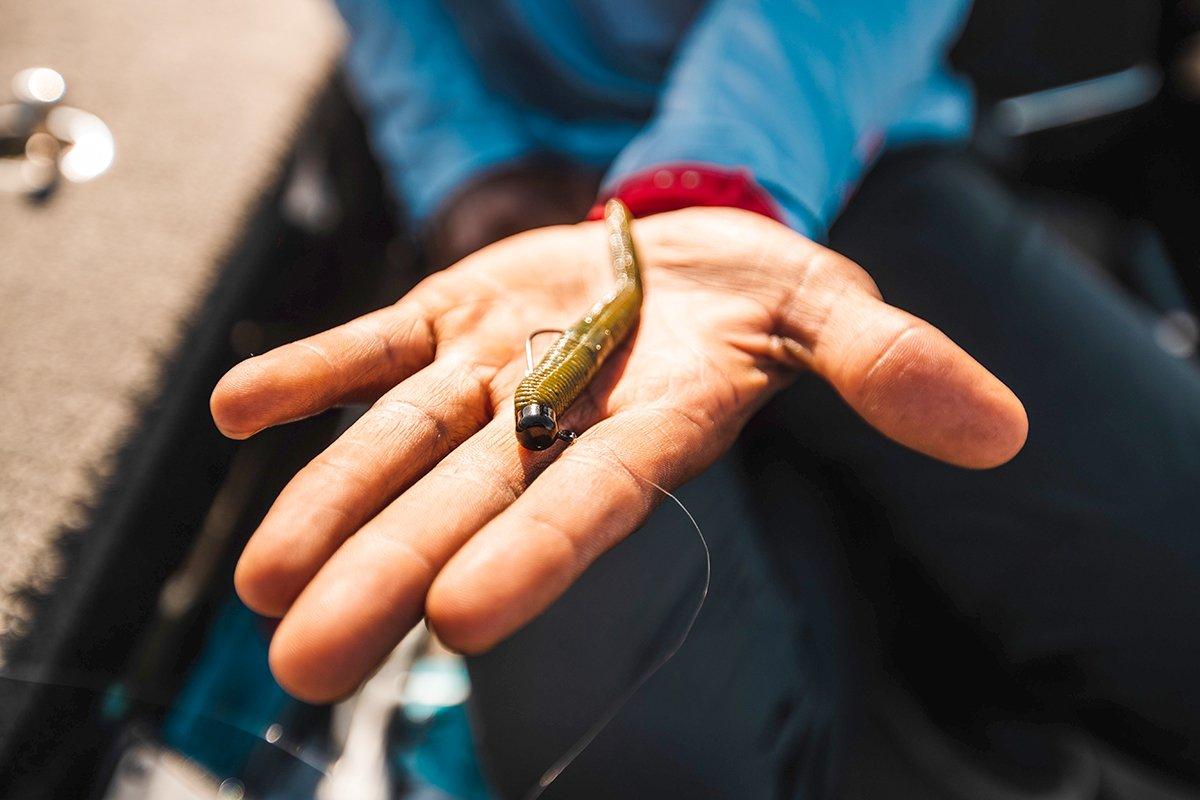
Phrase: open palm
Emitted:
{"points": [[429, 506]]}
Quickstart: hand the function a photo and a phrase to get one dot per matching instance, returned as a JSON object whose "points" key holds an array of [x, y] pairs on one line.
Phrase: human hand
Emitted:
{"points": [[429, 506]]}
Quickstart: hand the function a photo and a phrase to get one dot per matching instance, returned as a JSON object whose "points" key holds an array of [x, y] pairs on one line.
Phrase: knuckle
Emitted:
{"points": [[480, 478], [334, 468], [418, 567], [826, 310], [624, 485], [400, 344], [323, 356], [887, 363], [797, 300], [398, 415], [698, 419], [573, 551], [807, 304]]}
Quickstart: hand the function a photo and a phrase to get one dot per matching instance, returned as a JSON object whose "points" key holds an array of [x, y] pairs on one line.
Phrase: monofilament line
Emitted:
{"points": [[556, 769]]}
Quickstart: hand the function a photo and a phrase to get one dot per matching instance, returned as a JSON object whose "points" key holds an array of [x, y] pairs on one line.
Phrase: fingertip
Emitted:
{"points": [[259, 588], [1018, 430], [309, 679], [916, 386], [1007, 434], [970, 417], [347, 619], [231, 403], [457, 618], [500, 580]]}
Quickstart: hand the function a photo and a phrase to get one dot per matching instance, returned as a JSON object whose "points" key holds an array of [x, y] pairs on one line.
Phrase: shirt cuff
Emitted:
{"points": [[670, 187]]}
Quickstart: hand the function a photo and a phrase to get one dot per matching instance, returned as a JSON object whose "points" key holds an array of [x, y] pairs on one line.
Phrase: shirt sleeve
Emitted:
{"points": [[799, 93], [433, 121]]}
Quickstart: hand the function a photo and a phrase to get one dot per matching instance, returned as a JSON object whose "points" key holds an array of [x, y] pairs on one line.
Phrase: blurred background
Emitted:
{"points": [[184, 184]]}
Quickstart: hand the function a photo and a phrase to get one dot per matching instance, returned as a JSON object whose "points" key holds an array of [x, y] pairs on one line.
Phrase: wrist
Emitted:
{"points": [[670, 187]]}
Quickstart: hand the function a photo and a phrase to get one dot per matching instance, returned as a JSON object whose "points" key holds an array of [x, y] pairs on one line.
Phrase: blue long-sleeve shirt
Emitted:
{"points": [[802, 93]]}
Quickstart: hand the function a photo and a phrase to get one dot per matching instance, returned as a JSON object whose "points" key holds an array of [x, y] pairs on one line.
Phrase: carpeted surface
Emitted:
{"points": [[98, 284]]}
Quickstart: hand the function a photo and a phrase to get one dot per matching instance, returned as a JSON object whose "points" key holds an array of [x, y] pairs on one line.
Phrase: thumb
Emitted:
{"points": [[902, 375]]}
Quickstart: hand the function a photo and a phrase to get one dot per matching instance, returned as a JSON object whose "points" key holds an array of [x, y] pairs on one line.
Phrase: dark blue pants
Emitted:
{"points": [[1070, 576]]}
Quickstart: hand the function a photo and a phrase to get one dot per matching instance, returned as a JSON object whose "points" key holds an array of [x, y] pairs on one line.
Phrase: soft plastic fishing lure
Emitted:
{"points": [[549, 388]]}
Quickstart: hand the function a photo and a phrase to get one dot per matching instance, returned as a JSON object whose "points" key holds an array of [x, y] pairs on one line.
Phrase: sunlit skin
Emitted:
{"points": [[429, 506]]}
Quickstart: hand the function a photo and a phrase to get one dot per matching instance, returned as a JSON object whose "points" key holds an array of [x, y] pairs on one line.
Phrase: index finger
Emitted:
{"points": [[353, 362]]}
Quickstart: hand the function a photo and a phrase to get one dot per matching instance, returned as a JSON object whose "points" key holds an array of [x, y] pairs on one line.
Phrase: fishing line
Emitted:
{"points": [[614, 708]]}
